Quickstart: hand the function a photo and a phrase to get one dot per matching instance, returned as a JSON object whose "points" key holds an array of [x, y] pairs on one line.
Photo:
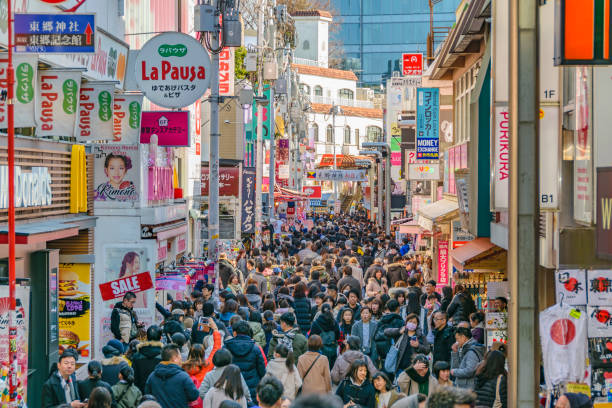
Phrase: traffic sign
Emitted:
{"points": [[55, 33], [412, 64]]}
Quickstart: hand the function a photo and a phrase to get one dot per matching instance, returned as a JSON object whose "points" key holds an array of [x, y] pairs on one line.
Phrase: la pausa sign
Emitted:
{"points": [[32, 189], [171, 70]]}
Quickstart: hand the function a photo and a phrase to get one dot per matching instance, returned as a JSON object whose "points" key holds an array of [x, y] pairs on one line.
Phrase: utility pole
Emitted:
{"points": [[523, 240], [259, 143], [335, 109], [388, 191], [213, 161]]}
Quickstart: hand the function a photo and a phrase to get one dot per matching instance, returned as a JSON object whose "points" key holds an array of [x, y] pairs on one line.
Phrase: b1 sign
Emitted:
{"points": [[171, 127], [172, 70], [412, 64]]}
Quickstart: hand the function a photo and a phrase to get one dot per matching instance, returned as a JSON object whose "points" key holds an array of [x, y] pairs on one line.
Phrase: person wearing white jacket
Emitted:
{"points": [[283, 368]]}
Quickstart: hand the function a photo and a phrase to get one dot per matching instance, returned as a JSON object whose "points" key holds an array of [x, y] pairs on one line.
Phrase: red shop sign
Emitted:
{"points": [[443, 263], [117, 288], [229, 181], [313, 192], [412, 64]]}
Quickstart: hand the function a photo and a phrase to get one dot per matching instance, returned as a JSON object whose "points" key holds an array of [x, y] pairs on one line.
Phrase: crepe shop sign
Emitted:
{"points": [[172, 69], [117, 288]]}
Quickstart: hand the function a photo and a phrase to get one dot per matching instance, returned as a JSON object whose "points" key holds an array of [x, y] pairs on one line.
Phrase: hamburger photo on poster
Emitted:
{"points": [[74, 309]]}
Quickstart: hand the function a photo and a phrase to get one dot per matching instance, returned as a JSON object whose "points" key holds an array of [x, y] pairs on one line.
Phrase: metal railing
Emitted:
{"points": [[356, 103], [312, 63]]}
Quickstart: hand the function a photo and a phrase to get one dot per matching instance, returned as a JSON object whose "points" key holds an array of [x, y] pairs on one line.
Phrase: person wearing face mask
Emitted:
{"points": [[411, 341]]}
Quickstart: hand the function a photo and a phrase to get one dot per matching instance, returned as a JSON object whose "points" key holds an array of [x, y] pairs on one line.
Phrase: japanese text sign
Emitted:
{"points": [[57, 102], [229, 181], [134, 283], [443, 263], [599, 285], [127, 111], [172, 70], [248, 200], [171, 127], [428, 123], [412, 64], [26, 78], [312, 191], [571, 286], [95, 120], [226, 72], [55, 33]]}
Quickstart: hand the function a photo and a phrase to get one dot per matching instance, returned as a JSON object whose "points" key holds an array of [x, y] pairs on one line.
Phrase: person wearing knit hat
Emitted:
{"points": [[113, 362], [573, 400]]}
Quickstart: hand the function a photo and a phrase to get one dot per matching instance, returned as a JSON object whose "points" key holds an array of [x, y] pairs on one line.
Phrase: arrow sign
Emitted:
{"points": [[55, 33], [88, 33]]}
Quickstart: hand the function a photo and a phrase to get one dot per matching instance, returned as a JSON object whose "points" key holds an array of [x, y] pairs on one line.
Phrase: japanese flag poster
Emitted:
{"points": [[600, 287], [600, 321], [571, 286]]}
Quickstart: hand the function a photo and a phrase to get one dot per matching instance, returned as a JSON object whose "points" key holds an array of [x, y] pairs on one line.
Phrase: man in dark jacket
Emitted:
{"points": [[124, 322], [61, 387], [289, 333], [413, 297], [147, 356], [247, 355], [172, 386], [225, 269], [349, 280], [390, 320], [396, 272], [444, 338]]}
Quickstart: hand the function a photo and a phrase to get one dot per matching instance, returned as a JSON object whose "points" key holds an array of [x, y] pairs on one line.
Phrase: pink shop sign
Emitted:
{"points": [[171, 128], [160, 183]]}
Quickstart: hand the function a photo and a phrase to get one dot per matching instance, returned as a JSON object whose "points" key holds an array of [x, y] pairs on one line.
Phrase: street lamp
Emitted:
{"points": [[385, 150]]}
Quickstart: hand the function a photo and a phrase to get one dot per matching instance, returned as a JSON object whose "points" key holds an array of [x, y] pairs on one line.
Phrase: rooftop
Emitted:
{"points": [[312, 13], [349, 111]]}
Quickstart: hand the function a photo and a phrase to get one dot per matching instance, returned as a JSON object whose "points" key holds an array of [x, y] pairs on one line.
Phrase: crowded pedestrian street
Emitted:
{"points": [[305, 204]]}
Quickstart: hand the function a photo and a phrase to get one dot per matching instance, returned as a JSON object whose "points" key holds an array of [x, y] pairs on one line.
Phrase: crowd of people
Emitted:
{"points": [[340, 315]]}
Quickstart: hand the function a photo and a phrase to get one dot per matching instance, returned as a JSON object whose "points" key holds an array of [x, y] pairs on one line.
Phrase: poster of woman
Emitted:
{"points": [[123, 262], [117, 173]]}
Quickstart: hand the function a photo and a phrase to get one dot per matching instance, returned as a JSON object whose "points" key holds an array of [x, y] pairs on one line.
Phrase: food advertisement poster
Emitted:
{"points": [[117, 174], [23, 317], [75, 309]]}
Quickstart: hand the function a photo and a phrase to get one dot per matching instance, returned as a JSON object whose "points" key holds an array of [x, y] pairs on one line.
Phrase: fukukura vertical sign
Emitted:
{"points": [[226, 72], [583, 164], [95, 120], [443, 278], [501, 159], [428, 123], [26, 77], [172, 70], [127, 111], [57, 102]]}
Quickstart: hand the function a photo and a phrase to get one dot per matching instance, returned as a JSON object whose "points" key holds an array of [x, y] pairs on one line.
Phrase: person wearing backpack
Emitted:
{"points": [[290, 336], [325, 326], [465, 356], [125, 392]]}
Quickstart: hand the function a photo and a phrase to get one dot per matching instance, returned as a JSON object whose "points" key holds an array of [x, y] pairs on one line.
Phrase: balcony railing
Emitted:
{"points": [[312, 63], [355, 103]]}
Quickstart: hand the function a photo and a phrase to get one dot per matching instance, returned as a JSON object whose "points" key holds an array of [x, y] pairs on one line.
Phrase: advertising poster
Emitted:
{"points": [[600, 321], [117, 173], [23, 317], [26, 75], [171, 128], [428, 123], [127, 111], [600, 287], [502, 157], [443, 278], [248, 200], [126, 262], [57, 102], [75, 309], [598, 382], [600, 351], [571, 286], [95, 116], [229, 181], [583, 161]]}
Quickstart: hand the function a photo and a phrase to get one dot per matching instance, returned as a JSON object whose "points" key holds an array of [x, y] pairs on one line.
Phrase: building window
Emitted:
{"points": [[463, 90], [330, 134], [315, 132], [306, 45], [374, 133], [357, 141], [345, 94], [347, 135], [318, 91], [305, 89]]}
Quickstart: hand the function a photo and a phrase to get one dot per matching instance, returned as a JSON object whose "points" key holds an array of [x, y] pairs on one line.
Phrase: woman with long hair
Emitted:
{"points": [[356, 389], [347, 319], [283, 368], [234, 284], [377, 308], [94, 369], [386, 395], [230, 308], [491, 381], [227, 387], [126, 394], [100, 397], [302, 307], [447, 297], [269, 325]]}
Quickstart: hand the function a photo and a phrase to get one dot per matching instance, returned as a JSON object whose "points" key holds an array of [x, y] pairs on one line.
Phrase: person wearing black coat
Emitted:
{"points": [[147, 356], [389, 320], [94, 369], [326, 327], [461, 307], [488, 376], [357, 388], [444, 338], [301, 307], [247, 355], [53, 393]]}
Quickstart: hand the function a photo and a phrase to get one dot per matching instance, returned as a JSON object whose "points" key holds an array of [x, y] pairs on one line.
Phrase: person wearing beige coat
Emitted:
{"points": [[377, 285], [291, 379], [318, 379]]}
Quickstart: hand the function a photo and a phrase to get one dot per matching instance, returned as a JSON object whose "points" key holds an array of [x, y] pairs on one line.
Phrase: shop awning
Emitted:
{"points": [[411, 227], [480, 254], [402, 221], [43, 231], [439, 211], [286, 194], [327, 160]]}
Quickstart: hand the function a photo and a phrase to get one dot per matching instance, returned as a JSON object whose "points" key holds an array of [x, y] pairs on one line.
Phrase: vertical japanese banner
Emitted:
{"points": [[248, 200], [583, 165], [428, 123], [23, 318], [95, 116], [501, 151], [57, 102], [26, 76], [226, 72], [127, 111], [443, 278], [74, 309]]}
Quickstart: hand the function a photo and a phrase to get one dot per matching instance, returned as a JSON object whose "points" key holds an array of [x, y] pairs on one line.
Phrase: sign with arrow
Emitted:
{"points": [[55, 33]]}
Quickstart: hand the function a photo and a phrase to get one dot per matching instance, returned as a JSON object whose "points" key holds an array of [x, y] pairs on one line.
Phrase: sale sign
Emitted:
{"points": [[134, 283], [412, 64], [312, 191]]}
